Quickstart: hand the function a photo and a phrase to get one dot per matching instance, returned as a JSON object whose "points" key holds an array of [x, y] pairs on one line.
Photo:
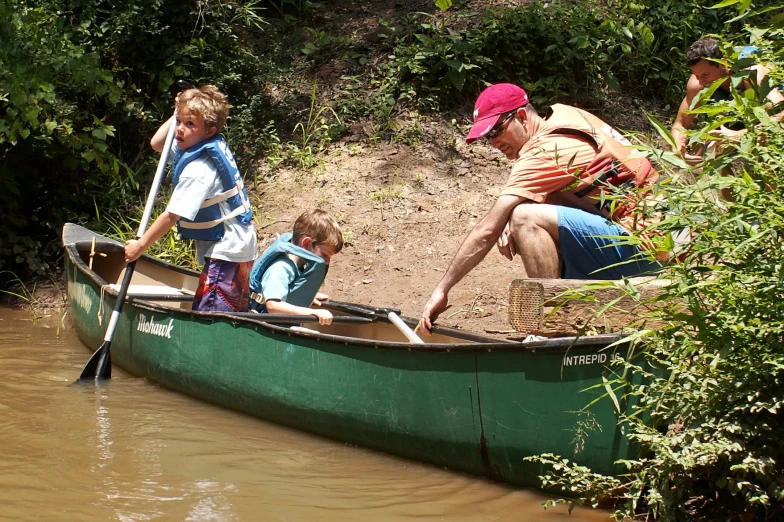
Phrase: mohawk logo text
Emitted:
{"points": [[149, 326]]}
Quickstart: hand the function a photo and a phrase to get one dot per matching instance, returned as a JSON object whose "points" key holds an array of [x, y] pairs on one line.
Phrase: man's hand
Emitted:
{"points": [[505, 243], [324, 316], [319, 299], [727, 134], [433, 309], [133, 250]]}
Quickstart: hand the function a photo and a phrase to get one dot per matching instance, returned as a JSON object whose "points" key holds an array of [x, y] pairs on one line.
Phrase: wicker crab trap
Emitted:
{"points": [[549, 307]]}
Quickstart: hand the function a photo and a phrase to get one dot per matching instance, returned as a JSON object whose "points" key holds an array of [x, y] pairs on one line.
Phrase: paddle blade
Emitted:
{"points": [[99, 366]]}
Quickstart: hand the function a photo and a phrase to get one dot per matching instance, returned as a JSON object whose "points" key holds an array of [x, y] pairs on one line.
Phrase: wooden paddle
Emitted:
{"points": [[100, 364]]}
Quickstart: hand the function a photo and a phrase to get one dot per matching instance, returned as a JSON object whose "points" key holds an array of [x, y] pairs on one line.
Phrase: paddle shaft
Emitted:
{"points": [[361, 310], [156, 185], [156, 181], [100, 364], [390, 314], [404, 329]]}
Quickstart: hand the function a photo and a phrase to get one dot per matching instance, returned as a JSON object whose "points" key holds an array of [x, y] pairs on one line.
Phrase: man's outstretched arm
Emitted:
{"points": [[473, 250]]}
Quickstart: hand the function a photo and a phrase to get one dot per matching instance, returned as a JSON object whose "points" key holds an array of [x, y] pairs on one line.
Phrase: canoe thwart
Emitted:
{"points": [[156, 292], [292, 319]]}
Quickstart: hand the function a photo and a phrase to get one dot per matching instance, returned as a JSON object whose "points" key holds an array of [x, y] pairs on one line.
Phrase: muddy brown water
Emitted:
{"points": [[130, 450]]}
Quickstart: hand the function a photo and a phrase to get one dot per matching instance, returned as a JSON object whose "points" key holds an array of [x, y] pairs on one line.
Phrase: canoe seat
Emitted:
{"points": [[156, 292]]}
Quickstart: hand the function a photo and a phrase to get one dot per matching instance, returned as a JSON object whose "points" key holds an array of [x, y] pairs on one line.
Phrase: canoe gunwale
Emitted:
{"points": [[75, 236]]}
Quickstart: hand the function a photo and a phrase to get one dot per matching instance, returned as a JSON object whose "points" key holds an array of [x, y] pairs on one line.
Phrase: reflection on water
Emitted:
{"points": [[129, 450]]}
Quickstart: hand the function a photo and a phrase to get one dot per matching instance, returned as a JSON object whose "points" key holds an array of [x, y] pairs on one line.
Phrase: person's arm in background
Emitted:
{"points": [[775, 97], [683, 121]]}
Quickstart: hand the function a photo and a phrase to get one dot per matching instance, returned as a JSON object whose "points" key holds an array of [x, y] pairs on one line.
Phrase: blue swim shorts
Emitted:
{"points": [[587, 255]]}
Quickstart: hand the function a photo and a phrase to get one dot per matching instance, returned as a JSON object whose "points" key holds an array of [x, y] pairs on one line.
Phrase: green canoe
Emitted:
{"points": [[466, 402]]}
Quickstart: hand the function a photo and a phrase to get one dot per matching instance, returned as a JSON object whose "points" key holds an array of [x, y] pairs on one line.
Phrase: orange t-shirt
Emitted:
{"points": [[548, 163], [567, 159]]}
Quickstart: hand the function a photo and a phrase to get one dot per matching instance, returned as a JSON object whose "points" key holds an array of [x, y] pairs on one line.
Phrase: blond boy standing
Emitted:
{"points": [[208, 203]]}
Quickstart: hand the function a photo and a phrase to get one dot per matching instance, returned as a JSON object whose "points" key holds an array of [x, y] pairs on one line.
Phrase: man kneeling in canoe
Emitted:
{"points": [[287, 277], [551, 210]]}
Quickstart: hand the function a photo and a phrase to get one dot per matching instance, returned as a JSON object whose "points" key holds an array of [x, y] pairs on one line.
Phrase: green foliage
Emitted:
{"points": [[20, 292], [383, 197], [377, 108], [253, 135], [44, 134], [321, 127], [83, 85], [557, 49], [294, 11], [658, 35], [710, 413], [432, 62], [169, 248], [570, 477], [322, 44]]}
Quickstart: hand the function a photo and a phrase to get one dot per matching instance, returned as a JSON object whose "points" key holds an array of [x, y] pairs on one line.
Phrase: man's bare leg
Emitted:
{"points": [[534, 229]]}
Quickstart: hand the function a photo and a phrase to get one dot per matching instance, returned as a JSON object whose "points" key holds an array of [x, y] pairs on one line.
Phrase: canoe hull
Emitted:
{"points": [[480, 409]]}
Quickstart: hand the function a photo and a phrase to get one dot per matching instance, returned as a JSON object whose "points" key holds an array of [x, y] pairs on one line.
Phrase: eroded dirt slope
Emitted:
{"points": [[404, 211]]}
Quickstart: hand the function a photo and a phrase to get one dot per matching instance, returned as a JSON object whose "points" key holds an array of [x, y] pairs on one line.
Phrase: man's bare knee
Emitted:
{"points": [[529, 216], [523, 217], [534, 231]]}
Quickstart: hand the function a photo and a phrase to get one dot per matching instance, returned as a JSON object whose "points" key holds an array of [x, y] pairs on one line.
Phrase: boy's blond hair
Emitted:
{"points": [[208, 102], [320, 227]]}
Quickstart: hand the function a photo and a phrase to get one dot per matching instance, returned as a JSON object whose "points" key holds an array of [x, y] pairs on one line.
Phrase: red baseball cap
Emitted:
{"points": [[491, 104]]}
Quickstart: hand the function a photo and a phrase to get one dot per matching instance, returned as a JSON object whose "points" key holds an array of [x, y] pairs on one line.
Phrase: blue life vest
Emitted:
{"points": [[208, 223], [746, 51], [307, 282]]}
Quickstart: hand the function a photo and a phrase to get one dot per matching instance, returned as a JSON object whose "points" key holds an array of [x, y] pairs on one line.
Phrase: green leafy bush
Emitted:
{"points": [[432, 62], [658, 33], [710, 415], [557, 49], [83, 85]]}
